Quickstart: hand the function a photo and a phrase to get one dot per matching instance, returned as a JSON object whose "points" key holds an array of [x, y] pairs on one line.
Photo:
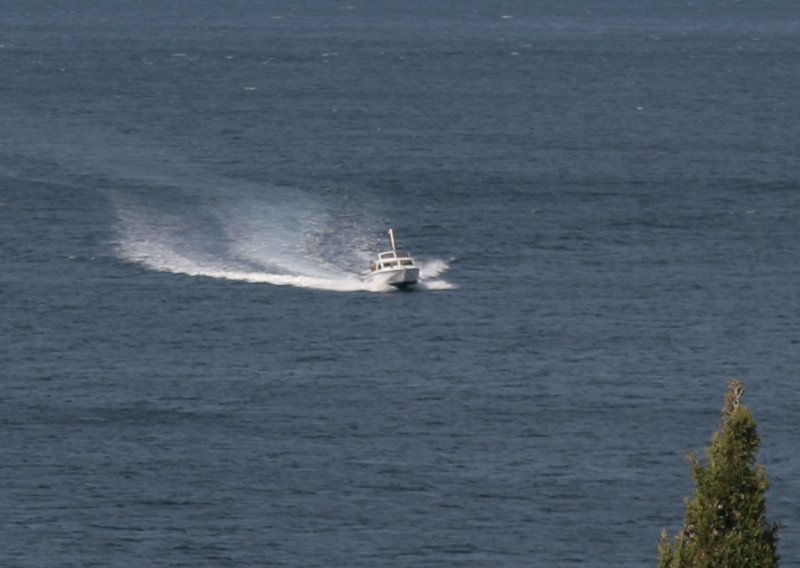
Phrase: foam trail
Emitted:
{"points": [[436, 285], [159, 242], [163, 259]]}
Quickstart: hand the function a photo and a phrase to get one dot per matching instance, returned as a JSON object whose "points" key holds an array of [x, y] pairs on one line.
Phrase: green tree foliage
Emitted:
{"points": [[725, 524]]}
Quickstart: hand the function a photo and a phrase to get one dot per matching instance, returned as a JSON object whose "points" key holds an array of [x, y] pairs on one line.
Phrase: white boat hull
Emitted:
{"points": [[399, 277]]}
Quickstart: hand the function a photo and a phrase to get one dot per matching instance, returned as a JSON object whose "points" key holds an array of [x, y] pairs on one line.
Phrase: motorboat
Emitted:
{"points": [[394, 268]]}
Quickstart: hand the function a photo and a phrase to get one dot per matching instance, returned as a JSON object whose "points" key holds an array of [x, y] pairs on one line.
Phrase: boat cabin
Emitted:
{"points": [[392, 259]]}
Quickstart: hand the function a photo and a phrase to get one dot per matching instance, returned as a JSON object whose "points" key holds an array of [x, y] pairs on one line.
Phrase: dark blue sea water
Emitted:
{"points": [[606, 199]]}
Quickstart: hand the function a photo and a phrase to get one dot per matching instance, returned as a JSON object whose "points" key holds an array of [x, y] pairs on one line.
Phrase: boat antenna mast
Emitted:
{"points": [[391, 238]]}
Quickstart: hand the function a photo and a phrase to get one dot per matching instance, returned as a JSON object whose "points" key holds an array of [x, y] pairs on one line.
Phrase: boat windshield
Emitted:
{"points": [[393, 255]]}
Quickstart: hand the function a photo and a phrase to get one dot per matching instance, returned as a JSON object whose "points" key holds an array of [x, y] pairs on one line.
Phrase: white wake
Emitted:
{"points": [[288, 242]]}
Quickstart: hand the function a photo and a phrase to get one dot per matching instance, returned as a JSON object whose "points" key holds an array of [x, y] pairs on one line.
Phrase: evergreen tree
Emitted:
{"points": [[725, 524]]}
